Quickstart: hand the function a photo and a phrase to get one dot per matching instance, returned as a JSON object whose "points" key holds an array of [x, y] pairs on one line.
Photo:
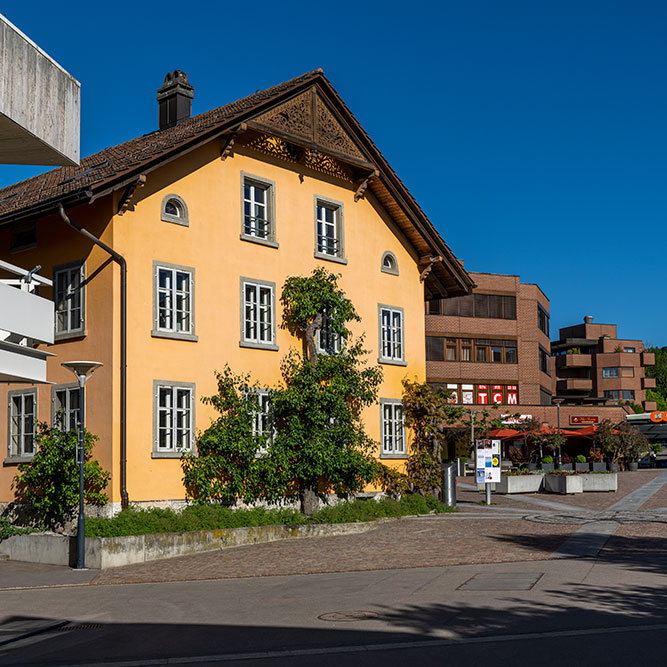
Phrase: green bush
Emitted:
{"points": [[49, 483], [134, 521], [547, 459], [7, 529], [580, 459]]}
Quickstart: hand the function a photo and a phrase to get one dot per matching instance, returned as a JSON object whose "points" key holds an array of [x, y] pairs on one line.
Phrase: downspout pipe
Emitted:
{"points": [[120, 260]]}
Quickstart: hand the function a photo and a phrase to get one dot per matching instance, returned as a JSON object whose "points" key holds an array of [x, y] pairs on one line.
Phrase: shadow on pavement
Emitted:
{"points": [[642, 554], [580, 613]]}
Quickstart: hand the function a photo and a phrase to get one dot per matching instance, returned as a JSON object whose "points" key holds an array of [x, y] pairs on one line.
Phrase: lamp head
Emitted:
{"points": [[82, 368]]}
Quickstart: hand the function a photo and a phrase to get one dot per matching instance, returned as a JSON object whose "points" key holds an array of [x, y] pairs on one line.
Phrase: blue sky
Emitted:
{"points": [[534, 134]]}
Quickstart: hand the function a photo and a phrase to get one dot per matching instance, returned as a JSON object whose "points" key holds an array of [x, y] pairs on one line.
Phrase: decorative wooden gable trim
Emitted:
{"points": [[306, 119]]}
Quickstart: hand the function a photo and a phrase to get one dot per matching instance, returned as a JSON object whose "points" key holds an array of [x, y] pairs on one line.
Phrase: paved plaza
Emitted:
{"points": [[492, 584]]}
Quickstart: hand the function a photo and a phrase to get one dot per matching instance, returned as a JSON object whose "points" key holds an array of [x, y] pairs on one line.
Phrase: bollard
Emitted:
{"points": [[448, 489]]}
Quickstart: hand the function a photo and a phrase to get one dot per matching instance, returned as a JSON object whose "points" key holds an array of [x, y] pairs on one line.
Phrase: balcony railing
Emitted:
{"points": [[26, 320]]}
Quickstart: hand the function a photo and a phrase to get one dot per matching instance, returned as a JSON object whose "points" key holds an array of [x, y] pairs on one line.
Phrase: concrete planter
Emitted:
{"points": [[563, 484], [103, 552], [593, 482], [633, 466], [582, 467], [565, 466], [547, 466], [598, 467], [519, 484]]}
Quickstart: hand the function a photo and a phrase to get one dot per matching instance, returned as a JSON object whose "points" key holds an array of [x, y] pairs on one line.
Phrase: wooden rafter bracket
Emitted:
{"points": [[426, 265], [361, 190], [126, 199], [231, 138]]}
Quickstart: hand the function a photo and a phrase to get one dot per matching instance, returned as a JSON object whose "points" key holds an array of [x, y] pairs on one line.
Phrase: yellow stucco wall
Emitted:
{"points": [[211, 245]]}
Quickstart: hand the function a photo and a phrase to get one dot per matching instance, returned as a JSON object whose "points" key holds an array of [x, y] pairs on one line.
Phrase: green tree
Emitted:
{"points": [[317, 438], [49, 483], [659, 372]]}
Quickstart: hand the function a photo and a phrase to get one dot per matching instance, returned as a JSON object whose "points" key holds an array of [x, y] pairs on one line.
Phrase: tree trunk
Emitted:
{"points": [[310, 331], [310, 501]]}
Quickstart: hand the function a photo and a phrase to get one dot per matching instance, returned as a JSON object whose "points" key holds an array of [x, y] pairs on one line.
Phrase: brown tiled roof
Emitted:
{"points": [[112, 167], [103, 167]]}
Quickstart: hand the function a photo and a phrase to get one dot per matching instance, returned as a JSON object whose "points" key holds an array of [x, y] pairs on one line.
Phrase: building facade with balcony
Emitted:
{"points": [[492, 346], [592, 365]]}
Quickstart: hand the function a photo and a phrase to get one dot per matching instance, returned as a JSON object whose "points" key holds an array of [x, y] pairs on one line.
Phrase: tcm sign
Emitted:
{"points": [[583, 419], [659, 417]]}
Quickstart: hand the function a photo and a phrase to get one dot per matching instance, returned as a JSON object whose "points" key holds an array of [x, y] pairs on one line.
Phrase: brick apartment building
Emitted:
{"points": [[491, 346], [592, 365]]}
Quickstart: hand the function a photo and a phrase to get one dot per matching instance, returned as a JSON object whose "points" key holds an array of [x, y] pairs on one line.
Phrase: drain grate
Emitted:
{"points": [[349, 616], [82, 626], [501, 581]]}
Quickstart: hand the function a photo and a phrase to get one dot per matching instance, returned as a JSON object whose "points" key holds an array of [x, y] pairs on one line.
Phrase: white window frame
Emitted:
{"points": [[392, 268], [262, 421], [19, 432], [255, 311], [392, 429], [329, 234], [172, 411], [64, 299], [337, 342], [391, 335], [69, 414], [172, 329], [250, 230]]}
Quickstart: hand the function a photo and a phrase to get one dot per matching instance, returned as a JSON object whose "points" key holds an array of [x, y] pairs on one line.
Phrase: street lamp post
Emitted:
{"points": [[558, 401], [83, 370]]}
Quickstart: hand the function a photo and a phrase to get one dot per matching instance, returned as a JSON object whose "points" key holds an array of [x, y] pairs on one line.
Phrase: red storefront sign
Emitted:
{"points": [[512, 394], [497, 395], [577, 420], [482, 394]]}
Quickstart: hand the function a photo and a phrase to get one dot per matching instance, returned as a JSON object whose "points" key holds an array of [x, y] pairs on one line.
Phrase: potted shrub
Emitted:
{"points": [[565, 462], [596, 459], [547, 463], [581, 464]]}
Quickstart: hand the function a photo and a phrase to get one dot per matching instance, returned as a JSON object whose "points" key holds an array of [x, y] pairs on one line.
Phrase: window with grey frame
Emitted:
{"points": [[328, 229], [545, 364], [174, 428], [327, 340], [258, 313], [68, 295], [393, 429], [22, 420], [542, 320], [66, 408], [257, 209], [174, 288], [391, 334]]}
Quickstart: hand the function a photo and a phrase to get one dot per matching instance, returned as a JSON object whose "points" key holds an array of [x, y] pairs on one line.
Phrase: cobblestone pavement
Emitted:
{"points": [[508, 531], [405, 543]]}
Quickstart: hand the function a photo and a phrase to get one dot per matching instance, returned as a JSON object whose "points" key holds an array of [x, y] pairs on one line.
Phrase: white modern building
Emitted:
{"points": [[39, 124]]}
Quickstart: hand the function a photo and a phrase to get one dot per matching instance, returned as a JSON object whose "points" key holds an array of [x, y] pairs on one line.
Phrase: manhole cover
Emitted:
{"points": [[501, 581], [349, 616]]}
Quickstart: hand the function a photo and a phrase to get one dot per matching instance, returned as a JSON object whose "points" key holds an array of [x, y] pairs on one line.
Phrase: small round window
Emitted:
{"points": [[175, 210], [389, 263]]}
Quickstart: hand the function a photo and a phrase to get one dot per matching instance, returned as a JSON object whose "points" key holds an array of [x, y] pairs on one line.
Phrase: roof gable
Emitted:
{"points": [[306, 110]]}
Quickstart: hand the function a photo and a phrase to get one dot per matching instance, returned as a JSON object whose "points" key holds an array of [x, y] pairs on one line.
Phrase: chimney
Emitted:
{"points": [[588, 319], [174, 99]]}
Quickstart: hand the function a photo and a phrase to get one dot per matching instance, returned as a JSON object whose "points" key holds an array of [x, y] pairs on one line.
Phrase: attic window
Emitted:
{"points": [[389, 263], [174, 209]]}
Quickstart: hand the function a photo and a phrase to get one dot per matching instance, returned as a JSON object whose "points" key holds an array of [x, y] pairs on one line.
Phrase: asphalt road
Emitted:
{"points": [[556, 612]]}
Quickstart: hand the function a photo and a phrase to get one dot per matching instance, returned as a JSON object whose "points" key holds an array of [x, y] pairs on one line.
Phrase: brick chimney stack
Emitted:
{"points": [[174, 99]]}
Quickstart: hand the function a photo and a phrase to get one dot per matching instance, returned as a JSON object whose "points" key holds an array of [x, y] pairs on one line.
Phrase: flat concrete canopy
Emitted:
{"points": [[39, 104]]}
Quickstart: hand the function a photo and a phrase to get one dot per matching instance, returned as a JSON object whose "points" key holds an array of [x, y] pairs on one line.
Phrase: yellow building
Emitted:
{"points": [[210, 214]]}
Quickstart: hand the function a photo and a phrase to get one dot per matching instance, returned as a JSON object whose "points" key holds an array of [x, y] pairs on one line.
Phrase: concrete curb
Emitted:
{"points": [[104, 552]]}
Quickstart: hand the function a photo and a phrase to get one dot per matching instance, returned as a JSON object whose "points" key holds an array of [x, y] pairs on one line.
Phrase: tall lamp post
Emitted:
{"points": [[83, 370], [558, 401]]}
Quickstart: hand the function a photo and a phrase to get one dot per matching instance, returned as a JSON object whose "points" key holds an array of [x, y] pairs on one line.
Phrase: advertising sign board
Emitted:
{"points": [[577, 420], [487, 461]]}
